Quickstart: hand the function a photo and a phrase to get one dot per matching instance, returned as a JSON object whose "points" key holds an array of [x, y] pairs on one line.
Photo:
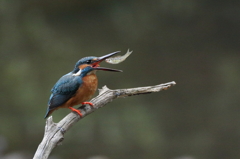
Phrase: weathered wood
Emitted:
{"points": [[54, 132]]}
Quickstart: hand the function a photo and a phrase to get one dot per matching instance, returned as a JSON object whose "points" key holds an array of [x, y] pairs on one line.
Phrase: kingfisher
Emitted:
{"points": [[77, 86]]}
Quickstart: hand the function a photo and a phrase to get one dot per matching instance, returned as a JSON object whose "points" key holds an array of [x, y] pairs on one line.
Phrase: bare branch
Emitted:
{"points": [[54, 132]]}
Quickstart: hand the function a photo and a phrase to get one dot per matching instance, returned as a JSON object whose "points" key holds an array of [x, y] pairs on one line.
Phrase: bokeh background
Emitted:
{"points": [[193, 42]]}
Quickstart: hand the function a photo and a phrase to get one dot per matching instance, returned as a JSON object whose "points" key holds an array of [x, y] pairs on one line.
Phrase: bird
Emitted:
{"points": [[77, 86]]}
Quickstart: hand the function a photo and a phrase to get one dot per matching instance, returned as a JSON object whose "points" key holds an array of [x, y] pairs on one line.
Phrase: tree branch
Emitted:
{"points": [[54, 132]]}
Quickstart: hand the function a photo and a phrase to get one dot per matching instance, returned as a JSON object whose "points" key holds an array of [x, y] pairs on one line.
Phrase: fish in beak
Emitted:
{"points": [[96, 65]]}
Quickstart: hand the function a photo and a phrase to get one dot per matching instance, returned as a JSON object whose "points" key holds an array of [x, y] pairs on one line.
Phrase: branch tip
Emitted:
{"points": [[104, 89], [49, 121]]}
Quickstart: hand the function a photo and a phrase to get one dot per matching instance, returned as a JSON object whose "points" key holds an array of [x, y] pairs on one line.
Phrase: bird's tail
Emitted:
{"points": [[49, 112]]}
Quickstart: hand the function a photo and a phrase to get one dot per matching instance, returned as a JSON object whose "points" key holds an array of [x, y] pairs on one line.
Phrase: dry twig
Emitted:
{"points": [[54, 132]]}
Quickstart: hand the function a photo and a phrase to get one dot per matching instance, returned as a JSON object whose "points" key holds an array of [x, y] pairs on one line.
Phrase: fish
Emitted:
{"points": [[118, 59]]}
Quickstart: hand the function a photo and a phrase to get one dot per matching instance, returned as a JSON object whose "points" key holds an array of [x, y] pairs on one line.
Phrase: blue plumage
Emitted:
{"points": [[65, 88]]}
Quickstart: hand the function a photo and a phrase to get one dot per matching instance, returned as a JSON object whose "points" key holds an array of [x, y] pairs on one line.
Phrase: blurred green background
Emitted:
{"points": [[193, 42]]}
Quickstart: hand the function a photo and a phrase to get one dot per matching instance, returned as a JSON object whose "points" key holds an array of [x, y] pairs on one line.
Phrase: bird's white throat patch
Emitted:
{"points": [[78, 73]]}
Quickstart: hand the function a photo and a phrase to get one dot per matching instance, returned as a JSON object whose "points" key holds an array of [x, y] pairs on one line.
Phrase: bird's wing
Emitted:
{"points": [[63, 90]]}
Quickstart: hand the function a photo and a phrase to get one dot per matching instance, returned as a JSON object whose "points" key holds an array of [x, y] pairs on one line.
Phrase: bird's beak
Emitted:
{"points": [[96, 65]]}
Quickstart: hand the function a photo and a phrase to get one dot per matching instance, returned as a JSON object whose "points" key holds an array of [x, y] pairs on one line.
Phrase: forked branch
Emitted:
{"points": [[54, 132]]}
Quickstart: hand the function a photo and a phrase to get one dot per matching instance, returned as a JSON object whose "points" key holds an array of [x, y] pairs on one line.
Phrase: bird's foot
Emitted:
{"points": [[76, 110], [89, 103]]}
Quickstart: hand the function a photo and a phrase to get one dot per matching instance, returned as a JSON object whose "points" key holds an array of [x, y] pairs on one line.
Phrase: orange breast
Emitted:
{"points": [[85, 91]]}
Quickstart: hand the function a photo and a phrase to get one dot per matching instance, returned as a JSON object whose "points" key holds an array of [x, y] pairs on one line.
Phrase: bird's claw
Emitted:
{"points": [[89, 103], [76, 110]]}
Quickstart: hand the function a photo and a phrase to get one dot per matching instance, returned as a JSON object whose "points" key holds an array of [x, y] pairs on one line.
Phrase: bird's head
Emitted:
{"points": [[92, 63]]}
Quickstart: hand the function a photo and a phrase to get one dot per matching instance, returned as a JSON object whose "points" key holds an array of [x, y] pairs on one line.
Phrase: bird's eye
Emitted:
{"points": [[89, 61]]}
